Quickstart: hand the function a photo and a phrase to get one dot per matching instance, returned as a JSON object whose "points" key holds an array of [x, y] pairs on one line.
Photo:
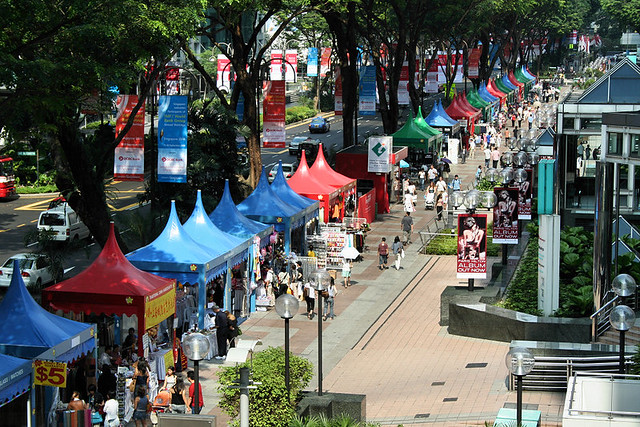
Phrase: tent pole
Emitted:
{"points": [[29, 408]]}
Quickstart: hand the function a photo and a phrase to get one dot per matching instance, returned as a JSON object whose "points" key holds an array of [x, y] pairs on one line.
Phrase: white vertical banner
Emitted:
{"points": [[276, 65], [549, 264], [379, 154], [291, 64]]}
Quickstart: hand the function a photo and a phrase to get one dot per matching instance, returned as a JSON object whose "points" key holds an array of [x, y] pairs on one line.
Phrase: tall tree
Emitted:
{"points": [[627, 12], [54, 57]]}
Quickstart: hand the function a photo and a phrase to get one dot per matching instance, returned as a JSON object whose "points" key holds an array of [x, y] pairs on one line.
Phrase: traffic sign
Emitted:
{"points": [[26, 153]]}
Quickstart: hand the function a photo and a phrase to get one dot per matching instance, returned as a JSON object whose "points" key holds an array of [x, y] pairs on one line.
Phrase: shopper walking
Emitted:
{"points": [[191, 377], [383, 254], [487, 156], [329, 300], [346, 272], [310, 298], [406, 225], [495, 156], [397, 250]]}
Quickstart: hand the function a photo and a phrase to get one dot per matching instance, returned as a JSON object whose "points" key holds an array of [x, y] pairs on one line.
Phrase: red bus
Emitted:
{"points": [[7, 177]]}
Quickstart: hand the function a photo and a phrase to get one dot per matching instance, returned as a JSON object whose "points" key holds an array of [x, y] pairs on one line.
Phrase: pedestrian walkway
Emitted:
{"points": [[386, 341]]}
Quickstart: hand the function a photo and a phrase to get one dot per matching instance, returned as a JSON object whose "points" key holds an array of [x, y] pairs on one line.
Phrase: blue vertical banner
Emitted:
{"points": [[172, 139], [367, 105], [312, 62]]}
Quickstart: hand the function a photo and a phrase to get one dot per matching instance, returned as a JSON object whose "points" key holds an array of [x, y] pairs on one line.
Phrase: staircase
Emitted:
{"points": [[612, 337]]}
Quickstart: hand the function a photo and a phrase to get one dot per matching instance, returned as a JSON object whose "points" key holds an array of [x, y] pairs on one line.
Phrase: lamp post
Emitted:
{"points": [[622, 317], [520, 362], [287, 306], [196, 347], [320, 280]]}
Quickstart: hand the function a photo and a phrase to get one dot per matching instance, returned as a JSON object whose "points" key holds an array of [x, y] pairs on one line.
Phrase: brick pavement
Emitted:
{"points": [[386, 342]]}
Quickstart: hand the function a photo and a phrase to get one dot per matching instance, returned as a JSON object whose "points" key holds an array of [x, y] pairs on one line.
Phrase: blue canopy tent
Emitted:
{"points": [[15, 378], [486, 95], [228, 218], [31, 332], [438, 118], [264, 205], [310, 208], [175, 255], [234, 249]]}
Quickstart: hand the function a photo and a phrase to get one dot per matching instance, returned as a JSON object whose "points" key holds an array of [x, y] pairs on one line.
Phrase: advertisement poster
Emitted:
{"points": [[172, 139], [223, 79], [524, 196], [442, 60], [291, 65], [379, 154], [273, 128], [172, 77], [472, 246], [403, 85], [474, 63], [325, 61], [338, 93], [312, 62], [367, 104], [48, 373], [128, 162], [505, 216], [276, 65]]}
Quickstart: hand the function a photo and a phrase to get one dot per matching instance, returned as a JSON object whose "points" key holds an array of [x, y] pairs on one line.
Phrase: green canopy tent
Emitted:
{"points": [[523, 79], [475, 101], [424, 126], [410, 135], [504, 88]]}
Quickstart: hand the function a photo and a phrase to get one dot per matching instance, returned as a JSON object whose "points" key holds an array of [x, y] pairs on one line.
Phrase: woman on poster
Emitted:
{"points": [[507, 212], [471, 241]]}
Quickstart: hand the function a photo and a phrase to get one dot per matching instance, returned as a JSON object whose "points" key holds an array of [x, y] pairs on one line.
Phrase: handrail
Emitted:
{"points": [[612, 378], [599, 319], [603, 307]]}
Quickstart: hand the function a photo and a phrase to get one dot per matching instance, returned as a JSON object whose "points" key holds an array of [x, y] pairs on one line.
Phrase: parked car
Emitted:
{"points": [[63, 224], [311, 151], [319, 124], [288, 169], [294, 144], [36, 270]]}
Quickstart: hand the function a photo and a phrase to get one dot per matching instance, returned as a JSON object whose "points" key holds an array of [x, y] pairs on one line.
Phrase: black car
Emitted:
{"points": [[294, 144]]}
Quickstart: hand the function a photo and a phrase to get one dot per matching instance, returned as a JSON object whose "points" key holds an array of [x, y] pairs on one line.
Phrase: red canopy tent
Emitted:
{"points": [[493, 90], [346, 186], [517, 83], [112, 285], [306, 184], [459, 111]]}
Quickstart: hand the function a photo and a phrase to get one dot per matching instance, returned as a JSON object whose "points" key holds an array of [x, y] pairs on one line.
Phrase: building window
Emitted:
{"points": [[567, 123], [635, 145], [593, 123], [615, 143]]}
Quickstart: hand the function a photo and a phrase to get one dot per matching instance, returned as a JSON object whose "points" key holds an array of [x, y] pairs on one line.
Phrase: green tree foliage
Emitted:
{"points": [[58, 58], [627, 12], [268, 405]]}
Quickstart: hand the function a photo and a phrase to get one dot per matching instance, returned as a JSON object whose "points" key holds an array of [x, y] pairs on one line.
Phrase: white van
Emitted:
{"points": [[63, 223]]}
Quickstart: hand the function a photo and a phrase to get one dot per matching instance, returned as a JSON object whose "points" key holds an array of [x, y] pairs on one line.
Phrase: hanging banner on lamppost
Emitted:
{"points": [[505, 216], [431, 85], [291, 64], [338, 93], [276, 65], [223, 77], [325, 61], [273, 127], [128, 163], [403, 85], [172, 139], [474, 63], [472, 246], [379, 153], [172, 77], [367, 103], [524, 196], [312, 62]]}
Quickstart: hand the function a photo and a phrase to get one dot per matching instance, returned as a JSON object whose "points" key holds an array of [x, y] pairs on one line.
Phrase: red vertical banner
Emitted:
{"points": [[128, 164], [505, 216], [474, 63], [338, 93], [472, 246], [325, 61], [273, 127], [276, 65], [403, 85], [172, 76], [291, 63], [223, 79], [524, 196]]}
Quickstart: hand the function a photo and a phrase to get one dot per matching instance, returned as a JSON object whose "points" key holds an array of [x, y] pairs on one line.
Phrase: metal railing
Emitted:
{"points": [[553, 373], [600, 319], [600, 413]]}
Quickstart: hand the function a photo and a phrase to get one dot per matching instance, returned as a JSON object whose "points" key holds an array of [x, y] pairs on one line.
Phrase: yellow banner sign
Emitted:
{"points": [[49, 373], [160, 305]]}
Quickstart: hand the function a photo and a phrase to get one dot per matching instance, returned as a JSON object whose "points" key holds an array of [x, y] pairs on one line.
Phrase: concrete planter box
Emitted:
{"points": [[333, 405]]}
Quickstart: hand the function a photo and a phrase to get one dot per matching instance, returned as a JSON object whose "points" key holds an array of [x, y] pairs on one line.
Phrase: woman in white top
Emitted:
{"points": [[346, 272], [169, 378], [111, 411], [310, 298], [328, 301]]}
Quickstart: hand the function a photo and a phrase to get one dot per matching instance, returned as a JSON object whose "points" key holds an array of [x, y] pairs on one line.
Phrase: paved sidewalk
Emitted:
{"points": [[386, 341]]}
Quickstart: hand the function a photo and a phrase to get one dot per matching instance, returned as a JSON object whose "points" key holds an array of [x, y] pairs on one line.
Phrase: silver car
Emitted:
{"points": [[36, 270]]}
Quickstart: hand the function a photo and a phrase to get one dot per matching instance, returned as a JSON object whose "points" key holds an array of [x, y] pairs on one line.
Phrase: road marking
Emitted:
{"points": [[35, 206], [2, 231], [20, 225]]}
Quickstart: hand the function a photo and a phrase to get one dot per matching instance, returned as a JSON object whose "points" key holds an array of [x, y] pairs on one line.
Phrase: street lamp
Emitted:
{"points": [[196, 348], [520, 362], [287, 306], [320, 280], [622, 318]]}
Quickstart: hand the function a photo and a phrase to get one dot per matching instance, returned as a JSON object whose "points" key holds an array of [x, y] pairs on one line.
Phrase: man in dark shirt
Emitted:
{"points": [[407, 228], [222, 329]]}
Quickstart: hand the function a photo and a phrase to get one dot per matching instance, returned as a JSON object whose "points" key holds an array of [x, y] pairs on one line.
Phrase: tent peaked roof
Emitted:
{"points": [[493, 90], [173, 245], [200, 227], [263, 201], [410, 133], [324, 173], [228, 218], [304, 182], [280, 186], [443, 113], [464, 103], [423, 125], [436, 119], [111, 274], [485, 94], [620, 85], [29, 329], [514, 81]]}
